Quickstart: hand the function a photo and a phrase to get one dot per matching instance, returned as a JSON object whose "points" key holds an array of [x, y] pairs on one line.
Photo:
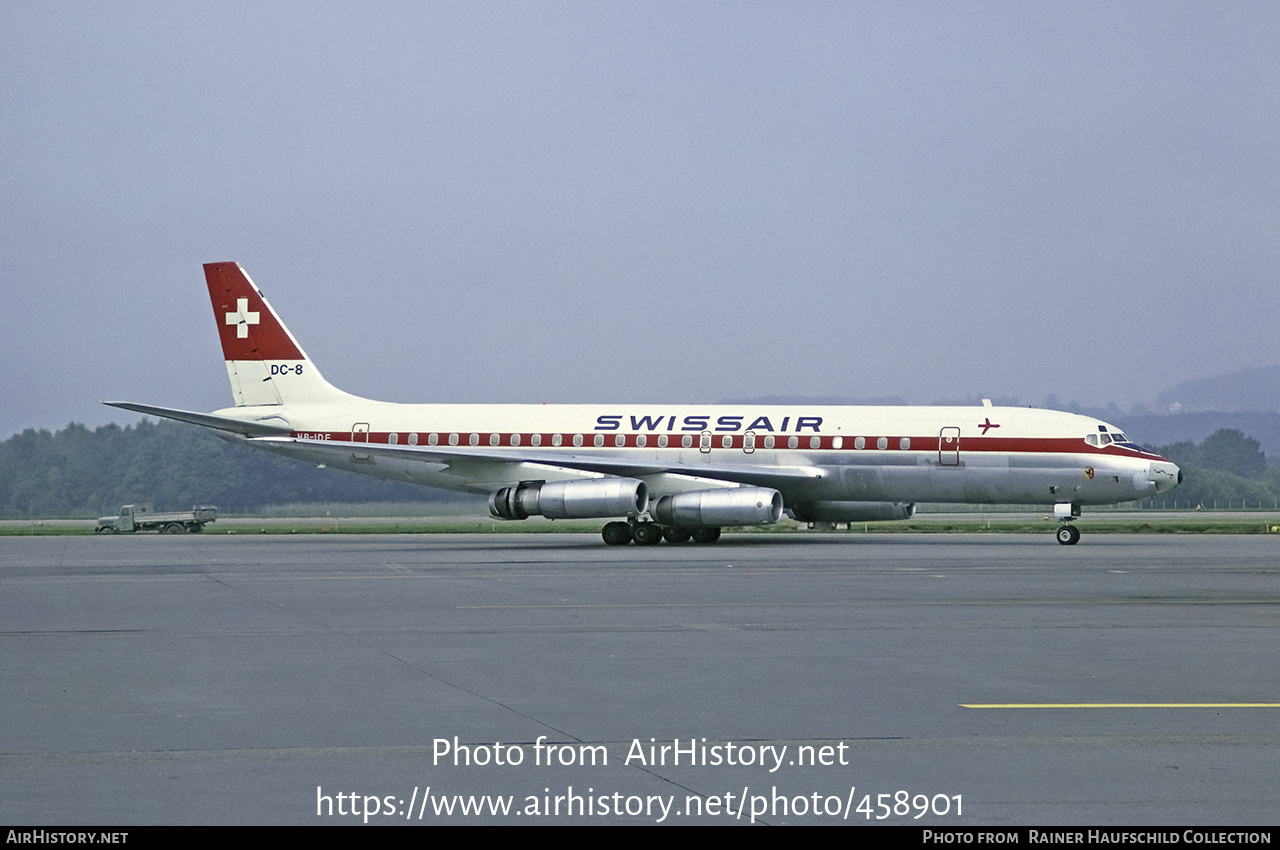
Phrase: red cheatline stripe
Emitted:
{"points": [[609, 440]]}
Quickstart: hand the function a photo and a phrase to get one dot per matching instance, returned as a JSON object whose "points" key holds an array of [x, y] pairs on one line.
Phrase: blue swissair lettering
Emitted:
{"points": [[673, 473], [699, 422]]}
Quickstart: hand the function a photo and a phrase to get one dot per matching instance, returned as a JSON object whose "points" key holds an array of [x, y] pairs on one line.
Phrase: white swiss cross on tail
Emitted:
{"points": [[242, 318]]}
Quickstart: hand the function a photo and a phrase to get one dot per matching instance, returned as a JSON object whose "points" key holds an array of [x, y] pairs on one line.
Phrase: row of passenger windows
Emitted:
{"points": [[642, 440]]}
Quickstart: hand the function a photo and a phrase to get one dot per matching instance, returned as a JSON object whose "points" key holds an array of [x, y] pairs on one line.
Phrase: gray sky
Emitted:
{"points": [[649, 202]]}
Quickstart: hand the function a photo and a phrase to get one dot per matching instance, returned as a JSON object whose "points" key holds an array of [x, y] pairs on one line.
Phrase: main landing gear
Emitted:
{"points": [[649, 533], [1068, 535]]}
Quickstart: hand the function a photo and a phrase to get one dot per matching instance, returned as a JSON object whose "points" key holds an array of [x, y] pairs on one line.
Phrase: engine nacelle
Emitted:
{"points": [[851, 511], [583, 498], [714, 508]]}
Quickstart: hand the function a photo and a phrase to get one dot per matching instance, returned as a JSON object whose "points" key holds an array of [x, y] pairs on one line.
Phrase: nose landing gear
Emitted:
{"points": [[1068, 534]]}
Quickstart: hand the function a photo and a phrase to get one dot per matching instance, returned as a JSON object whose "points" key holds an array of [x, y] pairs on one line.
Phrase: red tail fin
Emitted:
{"points": [[248, 327]]}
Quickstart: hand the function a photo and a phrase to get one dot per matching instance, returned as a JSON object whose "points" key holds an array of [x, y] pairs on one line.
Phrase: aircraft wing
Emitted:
{"points": [[520, 464], [760, 475]]}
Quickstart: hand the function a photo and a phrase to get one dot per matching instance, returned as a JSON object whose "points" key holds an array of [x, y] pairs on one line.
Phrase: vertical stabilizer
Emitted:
{"points": [[264, 362]]}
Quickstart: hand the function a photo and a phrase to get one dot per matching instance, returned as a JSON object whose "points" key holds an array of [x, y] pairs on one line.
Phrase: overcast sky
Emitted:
{"points": [[644, 201]]}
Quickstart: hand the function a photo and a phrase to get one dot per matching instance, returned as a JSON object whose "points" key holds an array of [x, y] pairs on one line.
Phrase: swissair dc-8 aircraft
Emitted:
{"points": [[673, 472]]}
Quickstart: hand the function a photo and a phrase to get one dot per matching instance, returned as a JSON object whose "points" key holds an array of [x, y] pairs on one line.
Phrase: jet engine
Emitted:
{"points": [[578, 499], [851, 511], [714, 508]]}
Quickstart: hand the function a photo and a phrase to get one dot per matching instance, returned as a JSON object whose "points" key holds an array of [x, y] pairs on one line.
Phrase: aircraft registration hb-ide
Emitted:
{"points": [[672, 472]]}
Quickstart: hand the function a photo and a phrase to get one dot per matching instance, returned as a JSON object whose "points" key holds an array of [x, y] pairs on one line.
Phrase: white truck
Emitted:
{"points": [[143, 517]]}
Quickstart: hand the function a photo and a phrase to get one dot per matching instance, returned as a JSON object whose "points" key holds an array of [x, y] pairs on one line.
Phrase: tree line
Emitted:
{"points": [[78, 472], [1225, 469]]}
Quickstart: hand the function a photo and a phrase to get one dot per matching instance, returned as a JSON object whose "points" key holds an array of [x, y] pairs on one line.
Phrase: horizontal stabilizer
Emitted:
{"points": [[219, 423]]}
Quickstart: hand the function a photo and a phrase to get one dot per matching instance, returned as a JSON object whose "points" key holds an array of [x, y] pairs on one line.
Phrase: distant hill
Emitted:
{"points": [[1162, 430], [1149, 429], [1247, 391]]}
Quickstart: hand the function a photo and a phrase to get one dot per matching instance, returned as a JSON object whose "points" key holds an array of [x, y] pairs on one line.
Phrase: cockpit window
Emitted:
{"points": [[1105, 438]]}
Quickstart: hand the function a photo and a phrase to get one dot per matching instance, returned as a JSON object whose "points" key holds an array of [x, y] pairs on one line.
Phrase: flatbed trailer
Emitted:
{"points": [[142, 517]]}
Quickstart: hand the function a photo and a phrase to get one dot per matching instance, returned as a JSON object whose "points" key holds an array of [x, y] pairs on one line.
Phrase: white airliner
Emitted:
{"points": [[673, 472]]}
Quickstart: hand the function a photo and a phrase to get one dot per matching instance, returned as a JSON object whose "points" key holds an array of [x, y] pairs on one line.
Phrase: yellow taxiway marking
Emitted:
{"points": [[1122, 705]]}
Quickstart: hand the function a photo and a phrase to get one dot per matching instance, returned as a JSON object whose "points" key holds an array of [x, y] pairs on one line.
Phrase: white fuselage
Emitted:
{"points": [[872, 454]]}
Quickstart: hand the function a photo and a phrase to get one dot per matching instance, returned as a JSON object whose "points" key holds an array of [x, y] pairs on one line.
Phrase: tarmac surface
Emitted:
{"points": [[323, 679]]}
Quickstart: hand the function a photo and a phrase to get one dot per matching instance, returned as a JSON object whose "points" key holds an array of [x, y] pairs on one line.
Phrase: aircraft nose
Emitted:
{"points": [[1163, 475]]}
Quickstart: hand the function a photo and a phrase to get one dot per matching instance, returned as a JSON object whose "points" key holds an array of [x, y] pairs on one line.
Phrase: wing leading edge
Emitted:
{"points": [[521, 463]]}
